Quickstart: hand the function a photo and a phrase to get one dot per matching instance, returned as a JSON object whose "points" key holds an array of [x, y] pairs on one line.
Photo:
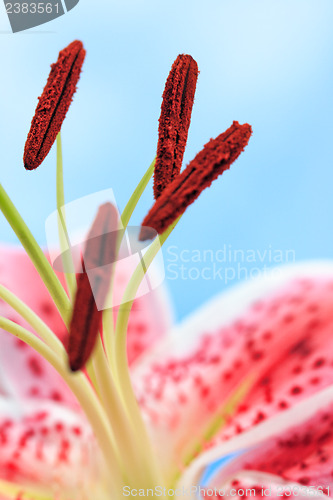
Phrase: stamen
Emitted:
{"points": [[216, 157], [93, 286], [53, 104], [174, 122]]}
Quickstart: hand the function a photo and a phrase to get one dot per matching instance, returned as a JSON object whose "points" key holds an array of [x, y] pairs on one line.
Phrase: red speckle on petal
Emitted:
{"points": [[47, 308], [64, 451], [267, 335], [42, 415], [315, 381], [288, 318], [296, 390], [259, 417], [59, 426], [140, 328], [318, 363], [44, 431], [56, 396], [20, 344], [34, 391], [35, 366], [77, 431], [304, 480]]}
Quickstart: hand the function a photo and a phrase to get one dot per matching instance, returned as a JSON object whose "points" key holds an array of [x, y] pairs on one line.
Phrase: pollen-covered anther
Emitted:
{"points": [[216, 157], [174, 122], [53, 104], [93, 285]]}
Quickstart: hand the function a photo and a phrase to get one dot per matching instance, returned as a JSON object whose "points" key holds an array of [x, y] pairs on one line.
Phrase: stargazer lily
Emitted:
{"points": [[236, 399], [271, 337]]}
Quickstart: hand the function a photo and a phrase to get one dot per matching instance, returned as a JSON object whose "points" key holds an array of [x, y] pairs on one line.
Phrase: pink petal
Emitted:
{"points": [[23, 372], [288, 452], [18, 274], [283, 339], [303, 453], [44, 443], [292, 339]]}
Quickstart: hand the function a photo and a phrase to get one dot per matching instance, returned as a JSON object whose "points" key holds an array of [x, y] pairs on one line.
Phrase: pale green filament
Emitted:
{"points": [[108, 325], [56, 355], [115, 414], [36, 255], [64, 242], [53, 342], [32, 318], [134, 199], [109, 403], [125, 453], [120, 353], [133, 456]]}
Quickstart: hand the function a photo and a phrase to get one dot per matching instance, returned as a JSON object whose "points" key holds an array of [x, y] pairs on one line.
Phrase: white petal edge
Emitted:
{"points": [[229, 305], [280, 423]]}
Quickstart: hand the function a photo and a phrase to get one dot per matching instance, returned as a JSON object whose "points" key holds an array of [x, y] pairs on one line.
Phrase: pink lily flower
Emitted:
{"points": [[45, 438], [235, 401], [270, 337]]}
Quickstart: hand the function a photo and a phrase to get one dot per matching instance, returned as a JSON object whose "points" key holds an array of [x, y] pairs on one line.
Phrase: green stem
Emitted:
{"points": [[108, 324], [36, 255], [85, 394], [64, 241]]}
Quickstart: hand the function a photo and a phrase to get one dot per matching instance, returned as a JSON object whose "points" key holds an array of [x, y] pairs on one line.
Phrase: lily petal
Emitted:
{"points": [[274, 333], [291, 451], [24, 373], [29, 375], [46, 445], [19, 275]]}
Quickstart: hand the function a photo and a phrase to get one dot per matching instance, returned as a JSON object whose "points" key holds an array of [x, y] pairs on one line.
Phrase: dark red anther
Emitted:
{"points": [[53, 104], [174, 122], [216, 157], [93, 285]]}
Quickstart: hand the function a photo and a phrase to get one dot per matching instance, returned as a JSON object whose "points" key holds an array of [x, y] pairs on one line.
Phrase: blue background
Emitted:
{"points": [[268, 63]]}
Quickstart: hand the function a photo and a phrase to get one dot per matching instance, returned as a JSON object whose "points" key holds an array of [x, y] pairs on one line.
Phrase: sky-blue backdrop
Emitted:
{"points": [[268, 63]]}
